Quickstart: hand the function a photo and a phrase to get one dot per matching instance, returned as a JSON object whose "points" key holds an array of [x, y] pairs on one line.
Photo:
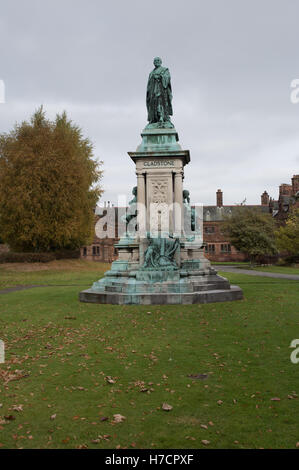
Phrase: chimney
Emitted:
{"points": [[219, 198], [265, 199]]}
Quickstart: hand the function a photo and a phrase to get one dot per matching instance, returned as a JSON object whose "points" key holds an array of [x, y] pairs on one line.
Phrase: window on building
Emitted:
{"points": [[94, 251], [225, 248], [98, 250], [210, 248], [210, 229], [85, 251]]}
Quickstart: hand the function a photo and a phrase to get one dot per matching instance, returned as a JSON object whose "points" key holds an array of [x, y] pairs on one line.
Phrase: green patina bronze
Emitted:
{"points": [[160, 253], [190, 212], [131, 213], [159, 96]]}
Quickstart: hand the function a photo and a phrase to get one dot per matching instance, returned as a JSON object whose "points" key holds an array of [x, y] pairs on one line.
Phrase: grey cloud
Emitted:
{"points": [[231, 63]]}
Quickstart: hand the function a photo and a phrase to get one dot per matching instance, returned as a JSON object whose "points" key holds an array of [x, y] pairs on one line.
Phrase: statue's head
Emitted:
{"points": [[157, 61], [134, 191], [186, 194]]}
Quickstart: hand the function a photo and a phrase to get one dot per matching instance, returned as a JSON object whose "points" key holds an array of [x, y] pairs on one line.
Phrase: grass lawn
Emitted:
{"points": [[279, 269], [64, 272], [54, 391]]}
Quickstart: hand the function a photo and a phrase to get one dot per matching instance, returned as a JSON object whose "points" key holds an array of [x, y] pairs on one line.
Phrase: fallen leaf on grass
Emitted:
{"points": [[17, 407], [205, 442], [110, 380], [220, 402], [9, 417], [275, 399], [53, 416], [8, 376], [166, 407], [118, 418], [198, 376], [65, 441]]}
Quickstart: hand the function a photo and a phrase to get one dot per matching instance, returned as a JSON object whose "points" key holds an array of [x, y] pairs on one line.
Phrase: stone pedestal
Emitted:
{"points": [[161, 264], [160, 163]]}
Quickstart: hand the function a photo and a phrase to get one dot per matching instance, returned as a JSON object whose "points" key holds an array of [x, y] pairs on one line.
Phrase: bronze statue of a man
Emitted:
{"points": [[159, 96]]}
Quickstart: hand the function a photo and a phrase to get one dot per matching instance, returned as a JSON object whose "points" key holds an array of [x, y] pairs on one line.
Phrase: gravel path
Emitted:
{"points": [[251, 272]]}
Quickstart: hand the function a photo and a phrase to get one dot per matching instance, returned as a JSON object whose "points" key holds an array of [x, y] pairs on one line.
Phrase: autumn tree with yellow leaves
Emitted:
{"points": [[287, 236], [49, 185]]}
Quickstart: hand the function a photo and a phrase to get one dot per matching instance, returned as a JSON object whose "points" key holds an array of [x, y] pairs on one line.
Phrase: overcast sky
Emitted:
{"points": [[231, 63]]}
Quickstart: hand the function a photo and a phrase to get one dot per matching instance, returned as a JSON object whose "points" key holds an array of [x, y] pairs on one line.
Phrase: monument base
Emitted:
{"points": [[200, 297], [143, 286]]}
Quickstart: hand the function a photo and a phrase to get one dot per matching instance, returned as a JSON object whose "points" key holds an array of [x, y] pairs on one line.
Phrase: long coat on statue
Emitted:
{"points": [[159, 95]]}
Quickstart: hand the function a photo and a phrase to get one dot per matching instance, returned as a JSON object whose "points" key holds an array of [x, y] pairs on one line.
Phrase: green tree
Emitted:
{"points": [[49, 185], [287, 236], [252, 232]]}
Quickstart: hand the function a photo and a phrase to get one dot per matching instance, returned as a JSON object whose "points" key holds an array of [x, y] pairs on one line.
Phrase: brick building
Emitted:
{"points": [[288, 198], [102, 249], [217, 246]]}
